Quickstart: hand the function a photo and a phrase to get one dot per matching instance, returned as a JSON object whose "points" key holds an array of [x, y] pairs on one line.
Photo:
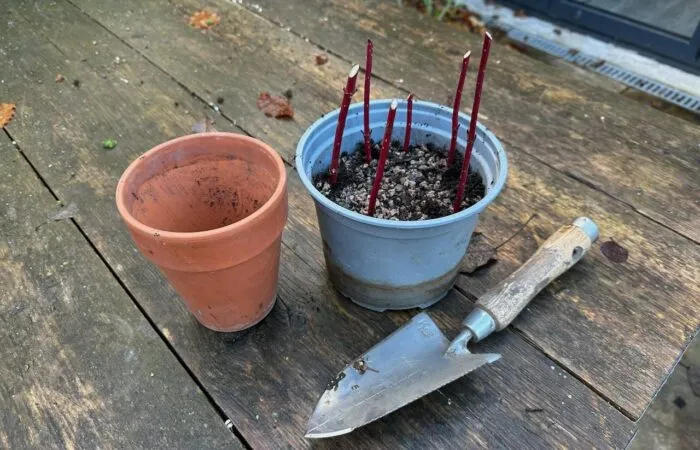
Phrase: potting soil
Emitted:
{"points": [[417, 185]]}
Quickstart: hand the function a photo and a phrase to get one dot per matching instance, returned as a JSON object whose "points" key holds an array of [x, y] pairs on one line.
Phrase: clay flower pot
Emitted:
{"points": [[209, 209]]}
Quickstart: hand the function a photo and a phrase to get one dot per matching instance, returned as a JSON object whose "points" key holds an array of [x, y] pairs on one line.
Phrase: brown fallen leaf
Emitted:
{"points": [[204, 19], [275, 106], [520, 13], [476, 25], [479, 254], [321, 59], [470, 19], [60, 78], [614, 251], [7, 113]]}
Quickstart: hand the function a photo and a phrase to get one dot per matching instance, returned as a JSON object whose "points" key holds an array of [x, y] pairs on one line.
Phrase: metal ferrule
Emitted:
{"points": [[588, 226], [480, 323]]}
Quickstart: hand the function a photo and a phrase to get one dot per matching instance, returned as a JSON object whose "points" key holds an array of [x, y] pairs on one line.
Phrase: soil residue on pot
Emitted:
{"points": [[416, 186], [201, 196]]}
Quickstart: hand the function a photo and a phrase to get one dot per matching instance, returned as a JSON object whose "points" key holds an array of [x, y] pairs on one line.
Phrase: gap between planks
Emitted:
{"points": [[153, 325], [221, 113]]}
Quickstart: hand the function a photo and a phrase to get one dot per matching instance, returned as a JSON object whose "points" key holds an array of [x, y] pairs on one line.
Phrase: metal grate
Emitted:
{"points": [[639, 82]]}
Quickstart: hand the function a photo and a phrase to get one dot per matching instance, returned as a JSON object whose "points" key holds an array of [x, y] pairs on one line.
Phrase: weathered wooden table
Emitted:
{"points": [[96, 348]]}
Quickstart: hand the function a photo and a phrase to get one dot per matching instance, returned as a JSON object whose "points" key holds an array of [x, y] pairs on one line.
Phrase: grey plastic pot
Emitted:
{"points": [[385, 264]]}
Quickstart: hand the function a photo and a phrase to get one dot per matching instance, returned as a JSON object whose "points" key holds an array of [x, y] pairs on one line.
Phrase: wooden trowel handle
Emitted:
{"points": [[562, 250]]}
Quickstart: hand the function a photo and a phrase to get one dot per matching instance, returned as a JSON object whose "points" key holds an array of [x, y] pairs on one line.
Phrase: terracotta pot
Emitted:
{"points": [[209, 209]]}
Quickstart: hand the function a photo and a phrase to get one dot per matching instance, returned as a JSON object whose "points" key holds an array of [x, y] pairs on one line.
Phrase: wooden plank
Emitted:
{"points": [[607, 141], [639, 292], [266, 379], [81, 366]]}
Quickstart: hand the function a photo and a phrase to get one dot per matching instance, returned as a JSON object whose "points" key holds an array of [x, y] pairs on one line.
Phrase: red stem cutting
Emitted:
{"points": [[455, 109], [471, 136], [368, 76], [342, 116], [386, 142], [409, 117]]}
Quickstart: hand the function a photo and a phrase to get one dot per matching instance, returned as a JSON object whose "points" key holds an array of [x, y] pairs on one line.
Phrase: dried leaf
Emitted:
{"points": [[7, 112], [60, 78], [275, 106], [614, 251], [205, 126], [479, 254], [66, 213], [321, 59], [470, 19], [520, 13], [476, 25], [204, 19]]}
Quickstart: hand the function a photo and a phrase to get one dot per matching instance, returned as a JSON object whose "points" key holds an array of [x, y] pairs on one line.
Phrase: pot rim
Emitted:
{"points": [[402, 224], [216, 232]]}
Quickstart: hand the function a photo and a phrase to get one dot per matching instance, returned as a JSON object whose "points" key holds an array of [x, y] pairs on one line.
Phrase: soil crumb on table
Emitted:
{"points": [[416, 186]]}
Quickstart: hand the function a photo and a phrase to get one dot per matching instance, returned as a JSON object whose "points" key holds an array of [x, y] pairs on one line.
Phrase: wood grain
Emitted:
{"points": [[81, 366], [266, 379], [604, 140], [600, 311]]}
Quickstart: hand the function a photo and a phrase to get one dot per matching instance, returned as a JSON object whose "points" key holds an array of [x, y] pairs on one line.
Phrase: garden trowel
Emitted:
{"points": [[418, 359]]}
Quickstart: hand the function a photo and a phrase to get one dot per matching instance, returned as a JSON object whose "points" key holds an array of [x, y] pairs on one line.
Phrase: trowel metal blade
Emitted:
{"points": [[405, 366]]}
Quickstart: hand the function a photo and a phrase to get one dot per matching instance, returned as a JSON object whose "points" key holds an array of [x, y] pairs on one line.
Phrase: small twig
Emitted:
{"points": [[517, 232], [455, 109], [342, 116], [409, 117], [471, 136], [386, 142], [368, 76]]}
